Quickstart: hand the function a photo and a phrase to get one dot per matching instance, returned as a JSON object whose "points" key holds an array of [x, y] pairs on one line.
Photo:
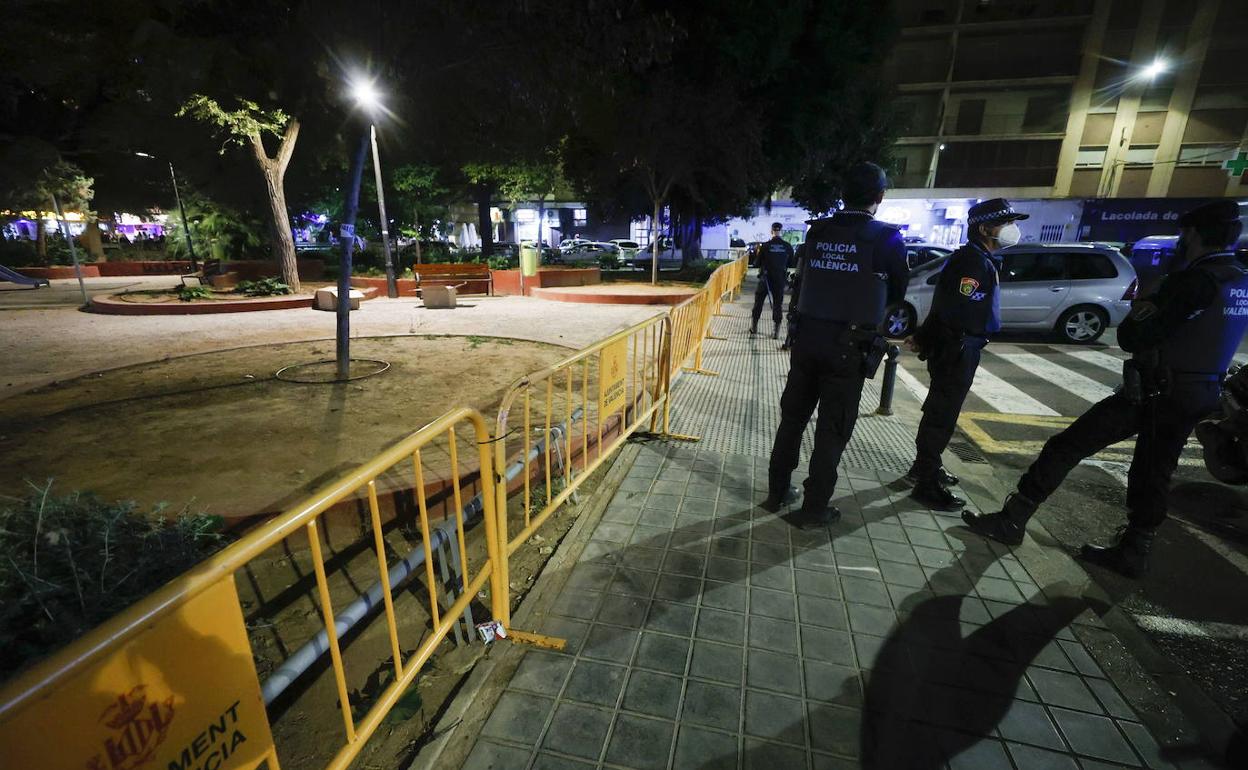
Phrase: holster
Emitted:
{"points": [[937, 342], [1143, 380], [873, 352]]}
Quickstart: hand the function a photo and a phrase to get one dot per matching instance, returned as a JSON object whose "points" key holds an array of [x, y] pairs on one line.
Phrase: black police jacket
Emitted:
{"points": [[1195, 320], [963, 300], [883, 255], [774, 258]]}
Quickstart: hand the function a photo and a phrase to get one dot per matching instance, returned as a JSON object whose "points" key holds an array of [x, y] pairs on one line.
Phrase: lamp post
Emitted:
{"points": [[368, 99], [186, 226]]}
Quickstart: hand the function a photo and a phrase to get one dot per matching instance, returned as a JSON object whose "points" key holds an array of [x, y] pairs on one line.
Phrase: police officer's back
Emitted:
{"points": [[852, 268], [1182, 339], [774, 258]]}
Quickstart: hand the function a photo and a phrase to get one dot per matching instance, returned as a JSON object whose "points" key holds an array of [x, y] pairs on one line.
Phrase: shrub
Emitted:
{"points": [[71, 562], [265, 287], [19, 253], [188, 293]]}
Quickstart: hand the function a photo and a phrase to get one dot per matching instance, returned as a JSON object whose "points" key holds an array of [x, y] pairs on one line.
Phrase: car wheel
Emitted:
{"points": [[1082, 325], [899, 320]]}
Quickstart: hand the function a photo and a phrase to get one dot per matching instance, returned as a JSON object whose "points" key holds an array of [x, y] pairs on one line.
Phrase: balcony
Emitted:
{"points": [[1012, 124]]}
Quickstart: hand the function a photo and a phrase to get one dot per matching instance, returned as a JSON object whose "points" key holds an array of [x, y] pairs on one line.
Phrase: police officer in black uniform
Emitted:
{"points": [[774, 258], [966, 308], [853, 267], [1182, 340]]}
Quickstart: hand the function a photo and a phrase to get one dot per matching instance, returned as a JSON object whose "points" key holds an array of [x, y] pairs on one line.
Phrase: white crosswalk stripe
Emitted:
{"points": [[912, 383], [1067, 379], [1006, 398], [1098, 358]]}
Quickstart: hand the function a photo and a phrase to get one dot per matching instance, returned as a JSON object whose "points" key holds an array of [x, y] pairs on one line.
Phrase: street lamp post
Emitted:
{"points": [[186, 226], [366, 97]]}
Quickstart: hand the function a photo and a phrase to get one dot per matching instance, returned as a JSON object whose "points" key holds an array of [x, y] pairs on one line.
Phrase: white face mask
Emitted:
{"points": [[1010, 235]]}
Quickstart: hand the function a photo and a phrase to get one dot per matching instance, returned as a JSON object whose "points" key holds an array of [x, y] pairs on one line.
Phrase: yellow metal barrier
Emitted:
{"points": [[569, 418], [172, 678]]}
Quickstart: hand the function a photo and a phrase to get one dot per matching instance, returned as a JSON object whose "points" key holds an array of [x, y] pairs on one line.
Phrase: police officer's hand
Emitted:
{"points": [[911, 344]]}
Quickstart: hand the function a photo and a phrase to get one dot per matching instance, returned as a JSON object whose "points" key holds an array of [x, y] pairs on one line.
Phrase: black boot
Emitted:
{"points": [[805, 519], [775, 502], [775, 332], [754, 326], [1005, 526], [943, 477], [931, 494], [1128, 555]]}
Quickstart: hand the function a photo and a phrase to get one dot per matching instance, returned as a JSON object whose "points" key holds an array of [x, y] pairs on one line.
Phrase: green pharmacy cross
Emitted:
{"points": [[1239, 166]]}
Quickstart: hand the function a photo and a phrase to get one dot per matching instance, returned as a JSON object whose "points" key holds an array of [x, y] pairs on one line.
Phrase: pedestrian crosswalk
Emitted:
{"points": [[1039, 380]]}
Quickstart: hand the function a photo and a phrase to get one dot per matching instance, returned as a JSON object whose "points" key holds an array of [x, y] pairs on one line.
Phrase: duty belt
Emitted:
{"points": [[1195, 377]]}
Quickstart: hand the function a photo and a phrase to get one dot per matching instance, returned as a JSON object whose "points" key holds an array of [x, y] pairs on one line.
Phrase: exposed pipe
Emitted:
{"points": [[306, 656]]}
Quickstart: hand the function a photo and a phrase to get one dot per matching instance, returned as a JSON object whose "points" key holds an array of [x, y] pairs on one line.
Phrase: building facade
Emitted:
{"points": [[1114, 101]]}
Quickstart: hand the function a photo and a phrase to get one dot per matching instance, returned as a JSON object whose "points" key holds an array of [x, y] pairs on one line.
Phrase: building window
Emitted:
{"points": [[1046, 113], [1205, 154], [579, 218], [1051, 233], [526, 215], [1141, 156], [1090, 157]]}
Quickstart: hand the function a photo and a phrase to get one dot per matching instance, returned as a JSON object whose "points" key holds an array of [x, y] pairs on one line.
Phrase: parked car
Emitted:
{"points": [[1077, 290], [628, 249], [921, 253], [669, 256]]}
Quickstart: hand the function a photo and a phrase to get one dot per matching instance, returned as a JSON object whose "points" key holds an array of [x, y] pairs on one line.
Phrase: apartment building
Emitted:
{"points": [[1103, 117]]}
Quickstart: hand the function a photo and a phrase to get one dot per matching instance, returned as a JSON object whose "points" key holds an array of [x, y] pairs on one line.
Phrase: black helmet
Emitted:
{"points": [[864, 182]]}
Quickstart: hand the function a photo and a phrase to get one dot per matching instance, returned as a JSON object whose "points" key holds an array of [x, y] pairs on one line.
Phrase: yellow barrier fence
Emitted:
{"points": [[173, 678], [564, 421]]}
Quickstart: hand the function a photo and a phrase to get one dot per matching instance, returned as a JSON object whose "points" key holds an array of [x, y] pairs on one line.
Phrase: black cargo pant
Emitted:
{"points": [[1161, 429], [826, 369], [951, 378], [770, 282]]}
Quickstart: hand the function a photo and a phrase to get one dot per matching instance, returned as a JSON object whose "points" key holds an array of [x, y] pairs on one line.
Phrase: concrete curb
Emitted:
{"points": [[457, 730]]}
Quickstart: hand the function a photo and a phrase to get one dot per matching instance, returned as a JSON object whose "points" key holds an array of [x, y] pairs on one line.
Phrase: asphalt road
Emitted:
{"points": [[1194, 605]]}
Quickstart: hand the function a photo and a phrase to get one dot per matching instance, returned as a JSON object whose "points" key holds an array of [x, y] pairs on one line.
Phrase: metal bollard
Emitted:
{"points": [[890, 379]]}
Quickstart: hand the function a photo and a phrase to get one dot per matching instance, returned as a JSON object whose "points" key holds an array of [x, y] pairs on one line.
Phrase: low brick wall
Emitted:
{"points": [[52, 273], [149, 267], [508, 281]]}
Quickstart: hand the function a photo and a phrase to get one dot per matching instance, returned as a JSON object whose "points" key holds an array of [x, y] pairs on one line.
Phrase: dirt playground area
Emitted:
{"points": [[219, 433]]}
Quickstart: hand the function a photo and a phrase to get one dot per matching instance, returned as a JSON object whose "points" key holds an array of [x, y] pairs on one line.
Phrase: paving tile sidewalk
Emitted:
{"points": [[704, 632]]}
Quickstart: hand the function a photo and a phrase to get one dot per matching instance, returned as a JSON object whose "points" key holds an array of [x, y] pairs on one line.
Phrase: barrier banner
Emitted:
{"points": [[612, 369], [181, 695]]}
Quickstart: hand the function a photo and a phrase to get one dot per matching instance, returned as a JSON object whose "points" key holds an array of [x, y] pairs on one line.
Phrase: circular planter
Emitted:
{"points": [[111, 305]]}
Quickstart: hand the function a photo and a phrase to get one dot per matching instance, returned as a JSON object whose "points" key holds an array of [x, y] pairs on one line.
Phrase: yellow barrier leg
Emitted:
{"points": [[537, 640]]}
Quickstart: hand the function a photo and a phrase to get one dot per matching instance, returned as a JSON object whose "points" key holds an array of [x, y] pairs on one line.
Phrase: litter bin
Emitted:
{"points": [[529, 257]]}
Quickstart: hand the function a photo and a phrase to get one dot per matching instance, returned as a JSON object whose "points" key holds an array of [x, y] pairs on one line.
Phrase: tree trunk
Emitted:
{"points": [[92, 241], [416, 222], [690, 240], [274, 170], [283, 242], [41, 237], [654, 242], [485, 226]]}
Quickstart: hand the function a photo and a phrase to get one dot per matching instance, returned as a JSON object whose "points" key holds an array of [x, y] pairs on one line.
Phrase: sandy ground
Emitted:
{"points": [[43, 345], [218, 433]]}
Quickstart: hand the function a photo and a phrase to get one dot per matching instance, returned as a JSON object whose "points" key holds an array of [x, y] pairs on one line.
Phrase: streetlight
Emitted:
{"points": [[186, 226], [1158, 67], [368, 99]]}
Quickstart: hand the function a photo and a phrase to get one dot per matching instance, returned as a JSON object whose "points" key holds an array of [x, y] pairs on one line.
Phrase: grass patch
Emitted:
{"points": [[70, 562]]}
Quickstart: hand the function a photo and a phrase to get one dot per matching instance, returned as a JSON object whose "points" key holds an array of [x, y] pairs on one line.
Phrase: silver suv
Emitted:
{"points": [[1076, 290]]}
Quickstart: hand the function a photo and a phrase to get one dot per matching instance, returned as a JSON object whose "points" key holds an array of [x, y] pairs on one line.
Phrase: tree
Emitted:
{"points": [[420, 193], [746, 97], [248, 124]]}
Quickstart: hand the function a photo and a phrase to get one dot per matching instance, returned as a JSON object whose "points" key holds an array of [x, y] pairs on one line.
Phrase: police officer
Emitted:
{"points": [[853, 268], [966, 308], [774, 258], [1181, 339]]}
